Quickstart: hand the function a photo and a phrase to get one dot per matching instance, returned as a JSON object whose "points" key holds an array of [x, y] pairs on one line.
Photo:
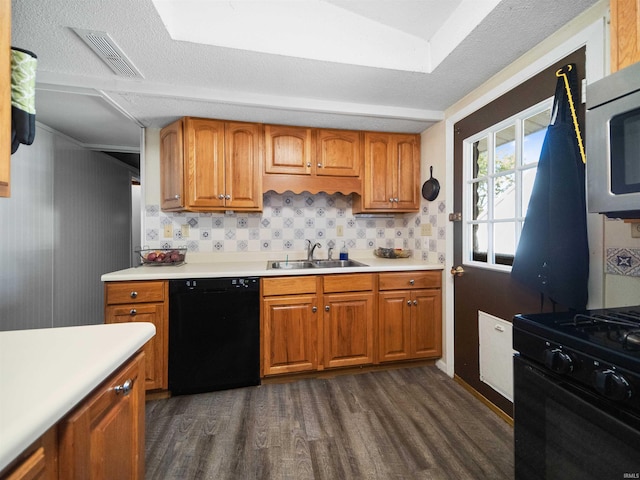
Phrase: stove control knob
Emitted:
{"points": [[558, 361], [611, 384]]}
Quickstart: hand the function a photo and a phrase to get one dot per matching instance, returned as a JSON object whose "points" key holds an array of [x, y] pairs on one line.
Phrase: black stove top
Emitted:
{"points": [[612, 335], [599, 349]]}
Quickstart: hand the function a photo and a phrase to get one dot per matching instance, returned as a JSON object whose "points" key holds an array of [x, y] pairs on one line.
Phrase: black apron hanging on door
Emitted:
{"points": [[553, 253]]}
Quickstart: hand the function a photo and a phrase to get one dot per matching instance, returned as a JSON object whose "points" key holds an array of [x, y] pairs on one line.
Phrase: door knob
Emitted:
{"points": [[457, 271]]}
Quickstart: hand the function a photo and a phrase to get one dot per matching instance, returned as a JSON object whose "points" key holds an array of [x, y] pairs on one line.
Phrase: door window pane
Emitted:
{"points": [[504, 192], [480, 242], [480, 200], [535, 128], [505, 155], [505, 241], [528, 177], [480, 158]]}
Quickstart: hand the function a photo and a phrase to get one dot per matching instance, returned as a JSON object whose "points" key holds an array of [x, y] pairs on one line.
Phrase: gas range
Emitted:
{"points": [[599, 349]]}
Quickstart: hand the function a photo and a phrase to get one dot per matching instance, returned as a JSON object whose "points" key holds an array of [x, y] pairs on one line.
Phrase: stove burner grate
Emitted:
{"points": [[622, 327]]}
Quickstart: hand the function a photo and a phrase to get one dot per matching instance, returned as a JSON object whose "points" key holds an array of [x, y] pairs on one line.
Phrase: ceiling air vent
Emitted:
{"points": [[105, 47]]}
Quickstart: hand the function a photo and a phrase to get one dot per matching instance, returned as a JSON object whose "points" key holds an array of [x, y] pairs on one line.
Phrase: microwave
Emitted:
{"points": [[613, 144]]}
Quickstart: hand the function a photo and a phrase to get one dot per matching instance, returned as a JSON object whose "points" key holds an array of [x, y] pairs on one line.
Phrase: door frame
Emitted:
{"points": [[592, 33]]}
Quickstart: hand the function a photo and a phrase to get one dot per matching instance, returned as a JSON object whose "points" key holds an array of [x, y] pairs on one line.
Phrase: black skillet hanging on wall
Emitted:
{"points": [[431, 188]]}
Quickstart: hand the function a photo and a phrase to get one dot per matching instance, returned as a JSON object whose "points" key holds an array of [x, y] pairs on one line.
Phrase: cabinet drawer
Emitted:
{"points": [[403, 280], [135, 292], [288, 285], [357, 282]]}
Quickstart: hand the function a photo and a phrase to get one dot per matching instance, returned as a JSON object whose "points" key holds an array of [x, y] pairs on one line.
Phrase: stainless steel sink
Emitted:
{"points": [[337, 263], [289, 264], [297, 264]]}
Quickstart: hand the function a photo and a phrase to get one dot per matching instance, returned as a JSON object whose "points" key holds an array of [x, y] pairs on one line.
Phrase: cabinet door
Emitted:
{"points": [[171, 167], [243, 166], [155, 372], [204, 163], [348, 329], [103, 438], [406, 169], [394, 325], [288, 150], [39, 461], [378, 175], [426, 324], [625, 33], [289, 334], [338, 153]]}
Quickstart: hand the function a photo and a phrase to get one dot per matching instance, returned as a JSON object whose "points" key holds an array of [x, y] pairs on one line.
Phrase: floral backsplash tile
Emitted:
{"points": [[289, 219], [623, 261]]}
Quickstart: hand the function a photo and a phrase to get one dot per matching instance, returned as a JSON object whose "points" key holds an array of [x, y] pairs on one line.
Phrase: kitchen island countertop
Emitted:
{"points": [[45, 373], [255, 265]]}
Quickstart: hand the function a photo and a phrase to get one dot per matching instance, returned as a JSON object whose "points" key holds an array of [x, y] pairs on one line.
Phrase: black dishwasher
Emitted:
{"points": [[214, 334]]}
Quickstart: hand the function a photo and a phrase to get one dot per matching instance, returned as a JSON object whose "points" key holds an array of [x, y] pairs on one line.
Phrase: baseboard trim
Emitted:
{"points": [[344, 371], [492, 406]]}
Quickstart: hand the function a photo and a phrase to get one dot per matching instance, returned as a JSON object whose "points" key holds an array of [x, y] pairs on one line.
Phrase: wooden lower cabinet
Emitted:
{"points": [[409, 319], [100, 439], [103, 438], [144, 301], [348, 320], [290, 326], [310, 323], [39, 461]]}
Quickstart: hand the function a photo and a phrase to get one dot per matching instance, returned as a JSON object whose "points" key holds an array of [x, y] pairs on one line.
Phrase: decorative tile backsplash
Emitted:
{"points": [[287, 220], [623, 261]]}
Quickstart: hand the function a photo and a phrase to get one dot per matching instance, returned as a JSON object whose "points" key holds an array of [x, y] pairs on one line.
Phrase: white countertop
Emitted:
{"points": [[255, 265], [45, 372]]}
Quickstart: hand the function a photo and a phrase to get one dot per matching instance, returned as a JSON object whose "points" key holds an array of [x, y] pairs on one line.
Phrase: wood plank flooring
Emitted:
{"points": [[410, 423]]}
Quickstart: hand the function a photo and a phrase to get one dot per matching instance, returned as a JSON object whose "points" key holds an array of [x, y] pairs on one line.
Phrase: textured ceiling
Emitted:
{"points": [[82, 97]]}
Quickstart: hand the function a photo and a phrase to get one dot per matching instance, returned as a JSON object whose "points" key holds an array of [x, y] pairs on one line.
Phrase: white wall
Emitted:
{"points": [[66, 223]]}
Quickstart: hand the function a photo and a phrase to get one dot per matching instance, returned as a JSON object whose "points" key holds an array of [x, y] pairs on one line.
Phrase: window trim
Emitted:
{"points": [[468, 182]]}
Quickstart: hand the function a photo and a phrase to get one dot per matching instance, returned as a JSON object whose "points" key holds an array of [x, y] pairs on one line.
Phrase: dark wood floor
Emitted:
{"points": [[413, 423]]}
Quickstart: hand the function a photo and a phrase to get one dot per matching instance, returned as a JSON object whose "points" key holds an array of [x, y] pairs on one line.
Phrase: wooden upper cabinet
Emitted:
{"points": [[209, 165], [338, 153], [171, 152], [301, 159], [204, 163], [287, 150], [5, 98], [625, 33], [391, 173], [243, 166]]}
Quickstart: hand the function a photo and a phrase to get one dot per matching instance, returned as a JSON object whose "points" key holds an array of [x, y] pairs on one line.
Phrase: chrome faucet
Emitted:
{"points": [[310, 248]]}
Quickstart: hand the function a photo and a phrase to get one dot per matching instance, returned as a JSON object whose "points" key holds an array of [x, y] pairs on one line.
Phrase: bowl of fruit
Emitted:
{"points": [[162, 256]]}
